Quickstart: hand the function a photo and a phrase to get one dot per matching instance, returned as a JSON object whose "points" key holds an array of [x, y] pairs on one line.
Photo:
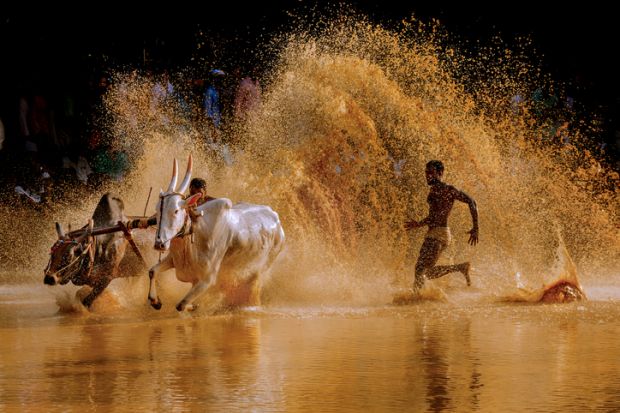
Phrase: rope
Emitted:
{"points": [[76, 259]]}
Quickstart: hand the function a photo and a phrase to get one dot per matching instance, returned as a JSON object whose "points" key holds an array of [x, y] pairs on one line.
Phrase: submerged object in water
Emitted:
{"points": [[562, 292]]}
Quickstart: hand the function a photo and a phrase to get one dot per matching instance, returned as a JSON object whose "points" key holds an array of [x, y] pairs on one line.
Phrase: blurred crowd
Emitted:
{"points": [[52, 144]]}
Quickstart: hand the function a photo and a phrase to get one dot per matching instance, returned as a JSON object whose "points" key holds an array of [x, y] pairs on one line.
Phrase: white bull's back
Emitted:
{"points": [[253, 219], [231, 242], [256, 235]]}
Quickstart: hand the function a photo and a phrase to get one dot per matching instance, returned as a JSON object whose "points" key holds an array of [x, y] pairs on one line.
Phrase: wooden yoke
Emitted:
{"points": [[94, 232], [120, 226], [127, 233]]}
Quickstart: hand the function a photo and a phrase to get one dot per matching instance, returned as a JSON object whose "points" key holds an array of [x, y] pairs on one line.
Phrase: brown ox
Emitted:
{"points": [[89, 259]]}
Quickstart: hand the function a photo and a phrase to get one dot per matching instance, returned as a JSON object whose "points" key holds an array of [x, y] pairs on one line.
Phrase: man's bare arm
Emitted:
{"points": [[416, 224], [473, 210]]}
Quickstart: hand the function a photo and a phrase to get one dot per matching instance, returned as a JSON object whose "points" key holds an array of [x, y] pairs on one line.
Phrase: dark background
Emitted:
{"points": [[60, 48]]}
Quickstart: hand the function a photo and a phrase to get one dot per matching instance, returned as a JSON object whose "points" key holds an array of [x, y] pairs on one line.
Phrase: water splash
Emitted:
{"points": [[563, 287], [351, 113]]}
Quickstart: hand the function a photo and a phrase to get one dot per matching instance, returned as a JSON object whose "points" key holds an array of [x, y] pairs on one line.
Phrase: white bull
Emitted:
{"points": [[230, 248]]}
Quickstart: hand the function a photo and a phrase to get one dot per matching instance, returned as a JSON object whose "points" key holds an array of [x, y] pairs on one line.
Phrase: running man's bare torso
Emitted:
{"points": [[440, 202]]}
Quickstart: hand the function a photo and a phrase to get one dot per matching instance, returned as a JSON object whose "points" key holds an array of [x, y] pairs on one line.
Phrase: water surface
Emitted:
{"points": [[431, 356]]}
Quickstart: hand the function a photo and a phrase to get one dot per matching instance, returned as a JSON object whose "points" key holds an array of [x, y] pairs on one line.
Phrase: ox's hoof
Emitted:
{"points": [[156, 304]]}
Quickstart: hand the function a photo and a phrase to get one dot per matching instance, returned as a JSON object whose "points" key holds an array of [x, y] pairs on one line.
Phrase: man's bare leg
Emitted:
{"points": [[429, 254], [441, 270]]}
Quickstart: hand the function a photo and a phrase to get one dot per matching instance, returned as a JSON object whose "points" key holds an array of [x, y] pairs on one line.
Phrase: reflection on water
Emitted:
{"points": [[427, 357]]}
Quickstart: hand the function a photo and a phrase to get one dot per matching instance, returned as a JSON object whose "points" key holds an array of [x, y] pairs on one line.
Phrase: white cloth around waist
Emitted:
{"points": [[442, 234]]}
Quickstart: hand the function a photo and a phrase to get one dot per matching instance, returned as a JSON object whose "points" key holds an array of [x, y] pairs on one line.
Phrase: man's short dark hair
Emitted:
{"points": [[436, 165], [198, 183]]}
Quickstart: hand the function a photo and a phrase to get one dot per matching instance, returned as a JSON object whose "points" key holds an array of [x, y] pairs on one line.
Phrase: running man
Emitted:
{"points": [[440, 201]]}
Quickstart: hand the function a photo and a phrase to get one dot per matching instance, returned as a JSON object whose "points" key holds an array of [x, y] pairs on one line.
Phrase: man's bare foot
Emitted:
{"points": [[465, 270]]}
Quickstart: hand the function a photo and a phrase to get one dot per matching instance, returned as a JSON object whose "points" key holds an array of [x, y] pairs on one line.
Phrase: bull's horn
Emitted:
{"points": [[173, 181], [59, 230], [188, 176], [91, 225]]}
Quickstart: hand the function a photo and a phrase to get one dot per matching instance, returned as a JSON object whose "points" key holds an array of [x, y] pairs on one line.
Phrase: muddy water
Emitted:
{"points": [[464, 355]]}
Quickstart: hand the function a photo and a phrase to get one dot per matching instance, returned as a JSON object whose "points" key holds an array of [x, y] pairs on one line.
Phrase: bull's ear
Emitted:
{"points": [[59, 230], [192, 200]]}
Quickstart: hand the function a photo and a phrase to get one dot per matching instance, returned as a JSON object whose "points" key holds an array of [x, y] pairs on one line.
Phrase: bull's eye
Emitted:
{"points": [[176, 212]]}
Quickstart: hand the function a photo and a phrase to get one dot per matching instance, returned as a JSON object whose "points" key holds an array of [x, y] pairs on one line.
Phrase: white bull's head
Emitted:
{"points": [[172, 216]]}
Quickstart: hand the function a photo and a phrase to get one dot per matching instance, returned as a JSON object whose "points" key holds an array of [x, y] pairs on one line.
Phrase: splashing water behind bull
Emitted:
{"points": [[348, 120]]}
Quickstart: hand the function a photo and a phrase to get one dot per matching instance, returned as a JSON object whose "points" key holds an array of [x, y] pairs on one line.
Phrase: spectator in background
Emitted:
{"points": [[516, 104], [562, 133], [161, 90], [247, 98], [120, 165], [81, 167], [111, 163], [197, 87], [36, 180], [212, 100], [537, 102], [24, 125], [2, 135], [65, 121], [161, 94], [43, 130]]}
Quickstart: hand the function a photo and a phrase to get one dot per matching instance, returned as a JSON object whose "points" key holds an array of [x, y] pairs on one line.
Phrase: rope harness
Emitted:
{"points": [[89, 249]]}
